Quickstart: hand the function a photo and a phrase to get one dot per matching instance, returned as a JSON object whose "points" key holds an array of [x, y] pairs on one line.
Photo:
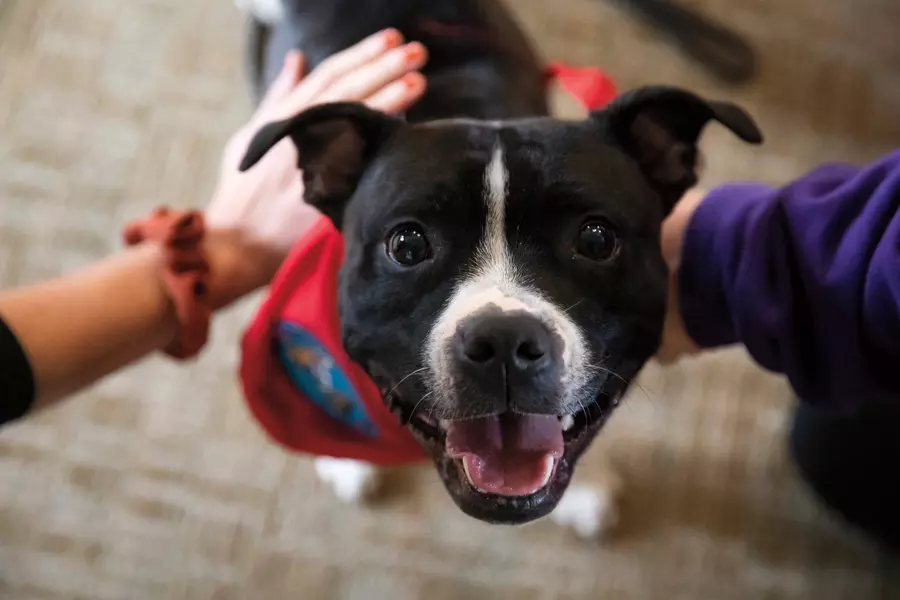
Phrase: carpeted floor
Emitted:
{"points": [[157, 485]]}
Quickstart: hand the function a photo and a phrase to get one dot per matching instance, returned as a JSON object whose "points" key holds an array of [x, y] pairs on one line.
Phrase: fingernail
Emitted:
{"points": [[411, 80], [415, 52], [392, 38]]}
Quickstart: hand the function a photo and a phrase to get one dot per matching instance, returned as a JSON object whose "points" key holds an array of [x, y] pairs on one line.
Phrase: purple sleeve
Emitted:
{"points": [[806, 276]]}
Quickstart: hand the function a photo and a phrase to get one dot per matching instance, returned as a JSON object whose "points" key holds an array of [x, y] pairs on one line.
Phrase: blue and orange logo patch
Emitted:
{"points": [[318, 377]]}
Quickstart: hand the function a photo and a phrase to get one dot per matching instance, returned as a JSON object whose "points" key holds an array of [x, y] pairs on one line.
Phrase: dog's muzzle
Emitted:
{"points": [[508, 373]]}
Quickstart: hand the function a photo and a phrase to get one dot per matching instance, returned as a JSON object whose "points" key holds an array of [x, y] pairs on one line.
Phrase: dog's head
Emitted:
{"points": [[503, 282]]}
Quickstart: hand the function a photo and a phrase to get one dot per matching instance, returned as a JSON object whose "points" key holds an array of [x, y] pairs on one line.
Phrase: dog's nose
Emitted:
{"points": [[506, 360], [521, 342]]}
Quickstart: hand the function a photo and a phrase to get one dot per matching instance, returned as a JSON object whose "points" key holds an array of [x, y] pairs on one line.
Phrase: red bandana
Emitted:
{"points": [[299, 383]]}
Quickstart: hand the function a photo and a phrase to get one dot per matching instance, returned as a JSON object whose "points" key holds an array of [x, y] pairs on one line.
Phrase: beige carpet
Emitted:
{"points": [[156, 485]]}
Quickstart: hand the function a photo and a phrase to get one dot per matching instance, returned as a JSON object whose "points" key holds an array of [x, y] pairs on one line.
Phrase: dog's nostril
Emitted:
{"points": [[520, 342], [530, 351], [480, 350]]}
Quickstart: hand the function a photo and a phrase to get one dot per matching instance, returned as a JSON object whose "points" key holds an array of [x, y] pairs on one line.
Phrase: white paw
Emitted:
{"points": [[351, 480], [269, 12], [589, 510]]}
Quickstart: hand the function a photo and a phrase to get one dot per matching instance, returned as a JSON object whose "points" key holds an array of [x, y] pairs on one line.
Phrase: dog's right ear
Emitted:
{"points": [[335, 143]]}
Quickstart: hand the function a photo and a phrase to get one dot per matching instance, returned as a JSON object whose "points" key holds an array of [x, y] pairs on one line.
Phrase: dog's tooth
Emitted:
{"points": [[549, 463], [567, 422], [445, 424], [465, 464]]}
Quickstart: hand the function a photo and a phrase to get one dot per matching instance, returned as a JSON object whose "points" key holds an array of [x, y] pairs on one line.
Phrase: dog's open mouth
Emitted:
{"points": [[509, 455]]}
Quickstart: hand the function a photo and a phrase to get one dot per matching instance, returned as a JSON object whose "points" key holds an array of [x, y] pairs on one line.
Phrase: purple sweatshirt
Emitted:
{"points": [[807, 276]]}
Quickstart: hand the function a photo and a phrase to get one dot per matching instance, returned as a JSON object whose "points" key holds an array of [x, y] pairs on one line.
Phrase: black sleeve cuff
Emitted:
{"points": [[16, 377]]}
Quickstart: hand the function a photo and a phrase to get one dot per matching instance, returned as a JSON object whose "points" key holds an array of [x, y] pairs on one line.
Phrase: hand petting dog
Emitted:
{"points": [[261, 213], [254, 218]]}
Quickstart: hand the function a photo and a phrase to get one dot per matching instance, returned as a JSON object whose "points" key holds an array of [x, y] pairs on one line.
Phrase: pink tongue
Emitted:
{"points": [[509, 455]]}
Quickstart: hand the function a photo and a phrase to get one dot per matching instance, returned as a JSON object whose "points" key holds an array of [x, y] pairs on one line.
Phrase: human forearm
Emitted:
{"points": [[80, 327], [83, 326], [804, 276]]}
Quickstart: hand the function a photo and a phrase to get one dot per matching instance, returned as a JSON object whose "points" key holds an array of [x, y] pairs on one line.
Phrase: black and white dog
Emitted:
{"points": [[508, 260]]}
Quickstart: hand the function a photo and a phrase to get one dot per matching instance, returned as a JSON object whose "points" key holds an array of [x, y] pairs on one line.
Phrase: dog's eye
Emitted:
{"points": [[408, 246], [597, 241]]}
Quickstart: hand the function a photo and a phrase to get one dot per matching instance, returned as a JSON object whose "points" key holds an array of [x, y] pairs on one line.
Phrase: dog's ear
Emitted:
{"points": [[659, 127], [335, 143]]}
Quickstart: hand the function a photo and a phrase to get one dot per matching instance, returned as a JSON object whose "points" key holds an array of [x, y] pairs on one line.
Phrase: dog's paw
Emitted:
{"points": [[590, 511], [269, 12], [351, 480]]}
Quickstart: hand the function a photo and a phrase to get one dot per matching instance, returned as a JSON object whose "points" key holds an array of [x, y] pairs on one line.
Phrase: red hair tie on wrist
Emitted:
{"points": [[185, 275]]}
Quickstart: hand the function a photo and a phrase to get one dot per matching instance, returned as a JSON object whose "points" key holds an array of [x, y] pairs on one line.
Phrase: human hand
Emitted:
{"points": [[256, 216], [675, 340]]}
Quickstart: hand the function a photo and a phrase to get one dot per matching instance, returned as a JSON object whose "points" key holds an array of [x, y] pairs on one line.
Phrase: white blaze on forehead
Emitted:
{"points": [[497, 281], [495, 261]]}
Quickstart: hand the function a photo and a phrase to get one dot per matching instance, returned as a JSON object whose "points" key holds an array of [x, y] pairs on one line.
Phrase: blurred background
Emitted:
{"points": [[157, 484]]}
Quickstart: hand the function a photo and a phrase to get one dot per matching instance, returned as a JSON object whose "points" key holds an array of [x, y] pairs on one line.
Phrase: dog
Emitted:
{"points": [[502, 279]]}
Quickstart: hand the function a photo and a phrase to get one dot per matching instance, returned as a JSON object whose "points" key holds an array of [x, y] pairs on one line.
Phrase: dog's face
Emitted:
{"points": [[503, 282]]}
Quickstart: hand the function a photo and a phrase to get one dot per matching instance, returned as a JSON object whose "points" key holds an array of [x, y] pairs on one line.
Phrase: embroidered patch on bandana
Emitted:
{"points": [[317, 375]]}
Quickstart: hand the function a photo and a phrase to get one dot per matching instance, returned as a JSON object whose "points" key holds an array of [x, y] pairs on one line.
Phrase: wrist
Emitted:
{"points": [[185, 276], [675, 226], [675, 340], [149, 257], [238, 265]]}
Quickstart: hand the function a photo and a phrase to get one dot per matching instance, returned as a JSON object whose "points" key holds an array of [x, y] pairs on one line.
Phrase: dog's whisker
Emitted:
{"points": [[394, 389], [612, 373], [584, 410], [647, 396], [609, 371], [573, 306], [422, 399]]}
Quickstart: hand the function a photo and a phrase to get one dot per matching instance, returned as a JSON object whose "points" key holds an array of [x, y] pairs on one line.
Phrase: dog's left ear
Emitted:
{"points": [[659, 127], [335, 143]]}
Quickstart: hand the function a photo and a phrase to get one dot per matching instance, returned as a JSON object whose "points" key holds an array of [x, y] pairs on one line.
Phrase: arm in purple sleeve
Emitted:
{"points": [[806, 276]]}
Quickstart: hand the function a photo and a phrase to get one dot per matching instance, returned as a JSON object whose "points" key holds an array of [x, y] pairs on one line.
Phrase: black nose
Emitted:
{"points": [[518, 340]]}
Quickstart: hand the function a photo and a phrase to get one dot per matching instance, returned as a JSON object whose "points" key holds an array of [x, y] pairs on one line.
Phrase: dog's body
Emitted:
{"points": [[480, 64], [502, 280]]}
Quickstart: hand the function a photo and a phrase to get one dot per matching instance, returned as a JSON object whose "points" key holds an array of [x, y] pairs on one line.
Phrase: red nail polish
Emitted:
{"points": [[392, 38], [414, 53], [410, 80]]}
